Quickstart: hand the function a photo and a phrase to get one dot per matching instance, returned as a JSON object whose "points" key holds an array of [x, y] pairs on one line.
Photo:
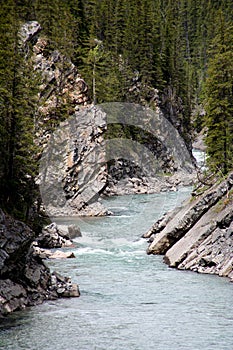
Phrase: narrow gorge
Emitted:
{"points": [[84, 162]]}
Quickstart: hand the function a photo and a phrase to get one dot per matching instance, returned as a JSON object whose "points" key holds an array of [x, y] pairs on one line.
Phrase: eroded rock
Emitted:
{"points": [[199, 236], [63, 287], [49, 254], [24, 278], [52, 237], [187, 217]]}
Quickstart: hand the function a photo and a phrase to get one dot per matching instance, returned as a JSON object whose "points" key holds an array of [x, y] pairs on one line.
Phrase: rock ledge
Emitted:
{"points": [[198, 236]]}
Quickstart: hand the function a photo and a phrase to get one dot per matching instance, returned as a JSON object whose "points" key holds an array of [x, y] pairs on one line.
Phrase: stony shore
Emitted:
{"points": [[25, 280], [198, 236]]}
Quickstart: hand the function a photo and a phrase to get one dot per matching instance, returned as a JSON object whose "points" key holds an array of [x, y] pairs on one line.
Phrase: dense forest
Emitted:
{"points": [[125, 50]]}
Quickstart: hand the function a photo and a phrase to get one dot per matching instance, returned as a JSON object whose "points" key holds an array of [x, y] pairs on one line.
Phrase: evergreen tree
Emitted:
{"points": [[60, 22], [17, 99], [124, 46], [219, 99]]}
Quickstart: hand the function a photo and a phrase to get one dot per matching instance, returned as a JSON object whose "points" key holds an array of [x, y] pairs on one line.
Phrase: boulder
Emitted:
{"points": [[58, 254], [51, 254], [74, 231], [52, 237], [63, 287]]}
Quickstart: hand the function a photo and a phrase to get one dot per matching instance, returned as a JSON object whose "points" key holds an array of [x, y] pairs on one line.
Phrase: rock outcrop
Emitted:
{"points": [[24, 278], [199, 235], [53, 237], [150, 155], [76, 166], [70, 182], [61, 83], [73, 168]]}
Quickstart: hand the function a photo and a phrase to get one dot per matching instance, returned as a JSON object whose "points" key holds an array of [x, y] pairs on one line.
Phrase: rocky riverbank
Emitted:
{"points": [[25, 280], [198, 236], [75, 170]]}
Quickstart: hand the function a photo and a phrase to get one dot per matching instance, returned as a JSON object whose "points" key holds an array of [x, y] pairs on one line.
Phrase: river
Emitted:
{"points": [[129, 300]]}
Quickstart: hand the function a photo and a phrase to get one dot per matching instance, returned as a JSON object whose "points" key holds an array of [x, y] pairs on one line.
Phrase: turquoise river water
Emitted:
{"points": [[129, 300]]}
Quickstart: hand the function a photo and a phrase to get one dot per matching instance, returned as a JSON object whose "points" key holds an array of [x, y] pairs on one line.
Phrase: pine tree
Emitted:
{"points": [[60, 23], [219, 99], [18, 92]]}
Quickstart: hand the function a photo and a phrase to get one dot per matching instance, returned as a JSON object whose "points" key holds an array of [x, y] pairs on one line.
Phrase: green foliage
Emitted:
{"points": [[100, 72], [219, 99], [124, 49], [60, 22], [18, 86]]}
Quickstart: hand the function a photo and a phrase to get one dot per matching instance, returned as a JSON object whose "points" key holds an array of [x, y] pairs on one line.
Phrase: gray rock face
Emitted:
{"points": [[73, 168], [187, 217], [79, 169], [61, 83], [199, 236], [15, 239], [72, 183], [24, 278], [154, 159], [52, 237], [12, 297], [28, 31]]}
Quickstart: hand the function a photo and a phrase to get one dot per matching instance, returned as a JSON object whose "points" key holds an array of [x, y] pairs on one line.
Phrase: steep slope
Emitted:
{"points": [[79, 158]]}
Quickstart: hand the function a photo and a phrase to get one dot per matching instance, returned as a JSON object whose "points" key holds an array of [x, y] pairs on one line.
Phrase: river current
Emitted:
{"points": [[129, 300]]}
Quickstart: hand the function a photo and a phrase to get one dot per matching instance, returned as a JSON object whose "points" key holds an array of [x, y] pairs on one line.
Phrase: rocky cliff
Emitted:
{"points": [[74, 139], [80, 163], [198, 236], [69, 131], [25, 280]]}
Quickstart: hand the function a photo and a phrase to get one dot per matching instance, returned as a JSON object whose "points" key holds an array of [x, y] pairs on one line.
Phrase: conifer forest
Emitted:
{"points": [[125, 50]]}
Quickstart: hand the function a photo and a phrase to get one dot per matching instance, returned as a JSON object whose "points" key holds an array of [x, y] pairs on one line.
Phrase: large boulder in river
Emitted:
{"points": [[52, 237]]}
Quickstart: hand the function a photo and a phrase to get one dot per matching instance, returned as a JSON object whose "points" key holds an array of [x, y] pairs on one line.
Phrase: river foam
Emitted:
{"points": [[129, 300]]}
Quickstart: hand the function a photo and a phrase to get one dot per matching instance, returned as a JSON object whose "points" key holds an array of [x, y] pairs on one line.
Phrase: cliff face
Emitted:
{"points": [[199, 235], [76, 166], [73, 168], [24, 280], [69, 131]]}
